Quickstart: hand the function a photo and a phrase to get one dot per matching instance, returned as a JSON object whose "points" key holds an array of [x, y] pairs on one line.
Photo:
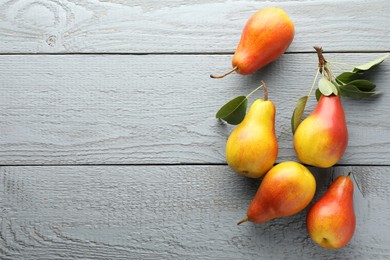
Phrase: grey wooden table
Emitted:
{"points": [[109, 148]]}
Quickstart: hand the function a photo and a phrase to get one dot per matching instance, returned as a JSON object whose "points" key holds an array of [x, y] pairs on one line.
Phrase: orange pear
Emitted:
{"points": [[331, 220], [285, 190], [266, 36]]}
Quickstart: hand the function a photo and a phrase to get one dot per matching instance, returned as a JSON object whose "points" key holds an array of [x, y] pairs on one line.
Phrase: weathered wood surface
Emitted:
{"points": [[33, 26], [130, 109], [169, 212], [74, 110]]}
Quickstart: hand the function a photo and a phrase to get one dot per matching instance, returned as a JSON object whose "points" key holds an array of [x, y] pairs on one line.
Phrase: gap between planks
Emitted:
{"points": [[174, 53], [169, 164]]}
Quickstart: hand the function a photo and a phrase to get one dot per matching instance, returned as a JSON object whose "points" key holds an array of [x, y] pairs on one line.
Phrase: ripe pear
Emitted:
{"points": [[266, 36], [331, 220], [252, 147], [321, 139], [285, 190]]}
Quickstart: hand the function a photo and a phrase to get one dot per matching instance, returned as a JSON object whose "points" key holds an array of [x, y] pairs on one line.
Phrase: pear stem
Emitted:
{"points": [[314, 82], [321, 59], [253, 91], [342, 63], [265, 91], [223, 75], [243, 220], [322, 62], [331, 72], [335, 66]]}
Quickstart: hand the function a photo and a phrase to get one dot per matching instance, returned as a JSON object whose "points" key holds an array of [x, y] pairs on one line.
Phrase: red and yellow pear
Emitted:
{"points": [[322, 138], [266, 36], [331, 220], [285, 190], [252, 147]]}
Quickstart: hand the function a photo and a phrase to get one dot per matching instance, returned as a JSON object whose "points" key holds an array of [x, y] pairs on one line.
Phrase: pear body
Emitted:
{"points": [[266, 36], [285, 190], [331, 220], [252, 147], [321, 139]]}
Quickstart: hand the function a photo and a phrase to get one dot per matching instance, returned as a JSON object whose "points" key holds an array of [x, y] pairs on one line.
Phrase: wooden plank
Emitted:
{"points": [[183, 26], [175, 212], [131, 109]]}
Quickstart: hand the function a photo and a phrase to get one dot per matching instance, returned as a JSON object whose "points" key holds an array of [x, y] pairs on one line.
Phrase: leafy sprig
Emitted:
{"points": [[348, 84], [234, 111]]}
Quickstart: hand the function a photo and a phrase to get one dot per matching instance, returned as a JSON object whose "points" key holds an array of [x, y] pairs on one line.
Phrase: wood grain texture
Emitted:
{"points": [[36, 26], [130, 109], [169, 212], [67, 110]]}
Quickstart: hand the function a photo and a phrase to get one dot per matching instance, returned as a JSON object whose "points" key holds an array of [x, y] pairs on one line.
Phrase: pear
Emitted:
{"points": [[252, 147], [285, 190], [331, 220], [321, 139], [266, 36]]}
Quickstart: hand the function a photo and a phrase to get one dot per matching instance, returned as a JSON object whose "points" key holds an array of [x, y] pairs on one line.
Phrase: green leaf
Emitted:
{"points": [[318, 94], [370, 64], [346, 77], [352, 91], [233, 111], [334, 88], [298, 112], [362, 84], [326, 87]]}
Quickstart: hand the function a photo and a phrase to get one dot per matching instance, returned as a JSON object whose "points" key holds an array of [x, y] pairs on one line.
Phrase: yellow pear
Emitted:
{"points": [[252, 147]]}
